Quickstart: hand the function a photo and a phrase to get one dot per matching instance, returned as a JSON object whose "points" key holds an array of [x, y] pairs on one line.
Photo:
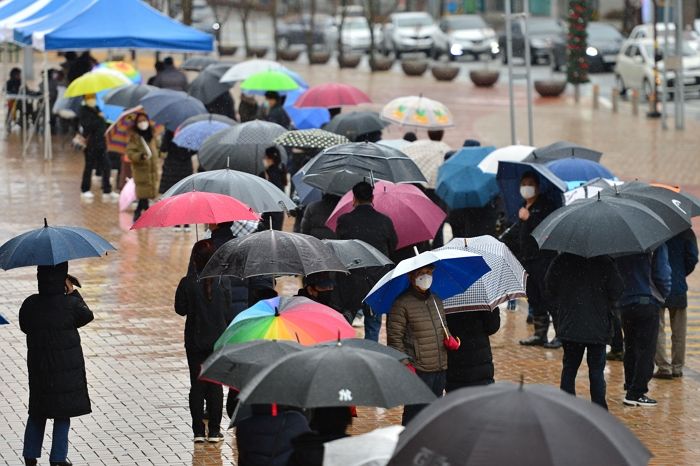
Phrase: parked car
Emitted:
{"points": [[543, 33], [294, 30], [635, 68], [604, 42], [356, 34], [410, 32], [645, 31], [463, 35]]}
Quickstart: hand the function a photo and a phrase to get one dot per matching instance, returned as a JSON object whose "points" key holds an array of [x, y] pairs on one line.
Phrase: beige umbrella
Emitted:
{"points": [[428, 155]]}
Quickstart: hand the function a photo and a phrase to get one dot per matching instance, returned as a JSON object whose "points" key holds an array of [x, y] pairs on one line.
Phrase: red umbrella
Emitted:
{"points": [[416, 218], [194, 207], [332, 95]]}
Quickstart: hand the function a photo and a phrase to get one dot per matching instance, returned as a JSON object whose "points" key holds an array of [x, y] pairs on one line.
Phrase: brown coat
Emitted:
{"points": [[143, 167], [413, 327]]}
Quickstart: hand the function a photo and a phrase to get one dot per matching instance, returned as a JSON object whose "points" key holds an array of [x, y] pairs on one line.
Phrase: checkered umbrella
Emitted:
{"points": [[310, 139], [428, 155], [504, 282]]}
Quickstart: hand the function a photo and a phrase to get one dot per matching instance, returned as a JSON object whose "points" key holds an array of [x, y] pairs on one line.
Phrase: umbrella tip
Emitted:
{"points": [[522, 382], [46, 224], [598, 195], [277, 312], [296, 335]]}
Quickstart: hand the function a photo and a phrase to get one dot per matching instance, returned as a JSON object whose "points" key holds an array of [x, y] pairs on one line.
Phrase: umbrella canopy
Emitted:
{"points": [[277, 81], [418, 112], [241, 147], [505, 154], [207, 117], [574, 169], [305, 193], [304, 118], [395, 143], [122, 67], [332, 95], [337, 169], [194, 207], [297, 318], [356, 254], [273, 252], [505, 280], [563, 150], [691, 199], [508, 177], [117, 135], [606, 225], [96, 81], [462, 184], [206, 87], [526, 425], [171, 108], [257, 192], [429, 156], [354, 124], [588, 189], [3, 320], [52, 245], [198, 63], [244, 70], [371, 449], [415, 217], [310, 139], [128, 96], [369, 345], [127, 195], [235, 364], [454, 272], [336, 376], [193, 136]]}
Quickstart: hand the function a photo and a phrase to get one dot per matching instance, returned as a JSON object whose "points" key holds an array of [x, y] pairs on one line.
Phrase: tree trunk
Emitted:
{"points": [[245, 13], [343, 8], [310, 32], [187, 11], [273, 13], [369, 14]]}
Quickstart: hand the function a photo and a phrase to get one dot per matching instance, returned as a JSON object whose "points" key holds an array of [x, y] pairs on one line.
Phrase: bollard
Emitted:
{"points": [[615, 99], [596, 93], [635, 102]]}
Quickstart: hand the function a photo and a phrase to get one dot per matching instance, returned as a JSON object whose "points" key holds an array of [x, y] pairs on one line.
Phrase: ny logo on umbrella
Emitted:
{"points": [[344, 395]]}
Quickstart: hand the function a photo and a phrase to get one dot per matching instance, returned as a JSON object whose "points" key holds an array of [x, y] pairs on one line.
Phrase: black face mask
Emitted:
{"points": [[324, 297]]}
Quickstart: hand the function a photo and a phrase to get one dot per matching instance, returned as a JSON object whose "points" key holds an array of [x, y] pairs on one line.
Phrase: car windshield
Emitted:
{"points": [[599, 31], [687, 51], [414, 21], [466, 22], [543, 26], [355, 25]]}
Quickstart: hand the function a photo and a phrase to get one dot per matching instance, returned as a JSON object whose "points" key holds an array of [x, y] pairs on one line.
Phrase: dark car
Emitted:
{"points": [[604, 42], [293, 31], [543, 33]]}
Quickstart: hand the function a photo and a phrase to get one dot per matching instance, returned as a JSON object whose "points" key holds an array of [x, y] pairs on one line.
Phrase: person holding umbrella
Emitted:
{"points": [[275, 111], [56, 366], [94, 125], [177, 165], [142, 150], [276, 173]]}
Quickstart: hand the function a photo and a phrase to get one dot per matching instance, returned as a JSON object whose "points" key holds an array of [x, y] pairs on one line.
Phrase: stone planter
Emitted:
{"points": [[319, 57], [444, 72], [414, 67], [484, 78], [381, 63], [257, 52], [550, 87], [228, 50], [288, 54], [349, 60]]}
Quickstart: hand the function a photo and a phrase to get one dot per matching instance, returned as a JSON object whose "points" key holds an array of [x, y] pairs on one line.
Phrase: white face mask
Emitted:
{"points": [[91, 102], [527, 192], [424, 281], [143, 125]]}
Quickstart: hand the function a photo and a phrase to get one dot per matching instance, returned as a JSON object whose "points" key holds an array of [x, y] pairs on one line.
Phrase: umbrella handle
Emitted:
{"points": [[437, 309]]}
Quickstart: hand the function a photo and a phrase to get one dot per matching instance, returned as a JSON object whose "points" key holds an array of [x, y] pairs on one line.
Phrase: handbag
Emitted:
{"points": [[450, 342], [79, 142]]}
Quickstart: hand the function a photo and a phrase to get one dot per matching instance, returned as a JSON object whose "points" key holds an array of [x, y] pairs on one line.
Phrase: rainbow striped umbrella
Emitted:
{"points": [[124, 68], [296, 318]]}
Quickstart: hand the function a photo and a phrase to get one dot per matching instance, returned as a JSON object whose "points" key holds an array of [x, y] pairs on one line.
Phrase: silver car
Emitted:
{"points": [[466, 35]]}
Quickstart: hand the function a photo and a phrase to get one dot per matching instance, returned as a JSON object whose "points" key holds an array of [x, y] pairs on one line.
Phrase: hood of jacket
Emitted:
{"points": [[52, 278]]}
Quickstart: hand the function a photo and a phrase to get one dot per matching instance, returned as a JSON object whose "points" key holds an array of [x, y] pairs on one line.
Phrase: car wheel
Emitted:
{"points": [[647, 89], [620, 84]]}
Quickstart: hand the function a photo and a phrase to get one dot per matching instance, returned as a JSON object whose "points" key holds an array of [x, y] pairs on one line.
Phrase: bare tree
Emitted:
{"points": [[374, 13], [275, 32], [310, 31], [341, 24], [222, 10], [245, 8], [187, 11]]}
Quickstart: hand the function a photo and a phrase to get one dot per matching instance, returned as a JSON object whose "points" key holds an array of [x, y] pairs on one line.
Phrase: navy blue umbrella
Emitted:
{"points": [[51, 246], [508, 176], [575, 169], [461, 183], [170, 108], [3, 320]]}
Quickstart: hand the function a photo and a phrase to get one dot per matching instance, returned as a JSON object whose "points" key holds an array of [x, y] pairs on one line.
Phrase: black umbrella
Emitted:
{"points": [[258, 193], [206, 87], [128, 96], [369, 345], [208, 116], [337, 169], [235, 365], [354, 124], [562, 150], [171, 108], [606, 225], [356, 254], [336, 376], [198, 63], [273, 252], [505, 423]]}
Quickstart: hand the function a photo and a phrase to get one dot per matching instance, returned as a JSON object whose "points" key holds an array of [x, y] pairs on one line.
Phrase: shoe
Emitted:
{"points": [[186, 229], [87, 195], [177, 228], [358, 321], [110, 197], [30, 462], [615, 356], [662, 375], [529, 320], [554, 344], [677, 374], [641, 401], [61, 463], [199, 439], [533, 341], [215, 437]]}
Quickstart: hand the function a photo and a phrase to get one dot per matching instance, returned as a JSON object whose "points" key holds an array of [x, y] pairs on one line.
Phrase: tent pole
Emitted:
{"points": [[23, 93], [3, 73], [48, 149]]}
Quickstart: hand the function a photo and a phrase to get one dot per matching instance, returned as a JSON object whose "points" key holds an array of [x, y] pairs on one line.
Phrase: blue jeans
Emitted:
{"points": [[373, 324], [34, 438], [595, 357]]}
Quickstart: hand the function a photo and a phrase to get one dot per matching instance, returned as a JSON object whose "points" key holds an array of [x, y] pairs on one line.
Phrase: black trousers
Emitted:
{"points": [[93, 160], [595, 357], [618, 342], [640, 322], [200, 391], [541, 309], [140, 207], [436, 383]]}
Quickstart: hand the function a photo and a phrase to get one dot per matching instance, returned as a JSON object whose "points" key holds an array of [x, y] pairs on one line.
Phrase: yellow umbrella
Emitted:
{"points": [[96, 81]]}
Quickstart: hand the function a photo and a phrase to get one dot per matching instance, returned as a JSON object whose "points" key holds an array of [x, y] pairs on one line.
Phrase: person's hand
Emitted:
{"points": [[523, 214], [69, 286], [101, 114]]}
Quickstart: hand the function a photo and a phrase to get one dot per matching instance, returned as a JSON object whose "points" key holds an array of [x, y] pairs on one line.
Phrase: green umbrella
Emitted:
{"points": [[269, 81]]}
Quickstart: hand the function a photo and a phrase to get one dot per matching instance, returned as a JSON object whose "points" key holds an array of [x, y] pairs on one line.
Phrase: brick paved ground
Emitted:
{"points": [[134, 354]]}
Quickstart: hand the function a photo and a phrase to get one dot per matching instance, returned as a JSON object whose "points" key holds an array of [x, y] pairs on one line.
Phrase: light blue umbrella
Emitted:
{"points": [[461, 183], [192, 136], [304, 118], [508, 177], [306, 193]]}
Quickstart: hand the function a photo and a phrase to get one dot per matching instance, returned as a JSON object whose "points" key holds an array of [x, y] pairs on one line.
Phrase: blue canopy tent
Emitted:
{"points": [[37, 12], [69, 10], [11, 7]]}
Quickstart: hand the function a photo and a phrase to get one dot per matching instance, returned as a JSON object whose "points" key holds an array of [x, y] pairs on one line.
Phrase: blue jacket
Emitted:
{"points": [[647, 277], [682, 256]]}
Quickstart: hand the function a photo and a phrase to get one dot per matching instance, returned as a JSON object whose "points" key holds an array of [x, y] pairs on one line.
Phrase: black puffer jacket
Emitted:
{"points": [[51, 319], [472, 363], [309, 448], [94, 126], [370, 226], [315, 216], [266, 440], [177, 164]]}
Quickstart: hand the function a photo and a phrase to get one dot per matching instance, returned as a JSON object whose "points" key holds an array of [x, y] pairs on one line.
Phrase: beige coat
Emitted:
{"points": [[144, 165]]}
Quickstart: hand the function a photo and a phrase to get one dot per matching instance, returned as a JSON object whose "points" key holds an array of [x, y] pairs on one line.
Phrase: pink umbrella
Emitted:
{"points": [[127, 195], [332, 95], [416, 218]]}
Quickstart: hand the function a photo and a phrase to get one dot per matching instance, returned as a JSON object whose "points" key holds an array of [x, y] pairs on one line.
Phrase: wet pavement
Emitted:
{"points": [[135, 358]]}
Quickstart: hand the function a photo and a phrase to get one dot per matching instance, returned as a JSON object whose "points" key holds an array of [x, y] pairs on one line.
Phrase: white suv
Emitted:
{"points": [[410, 32]]}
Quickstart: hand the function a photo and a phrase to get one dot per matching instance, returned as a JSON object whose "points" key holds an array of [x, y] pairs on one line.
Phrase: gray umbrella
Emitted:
{"points": [[273, 252], [310, 139], [356, 254], [208, 116], [337, 169], [354, 124], [170, 108], [198, 63], [562, 150], [369, 345], [241, 147], [258, 193], [206, 87], [606, 225], [504, 423], [128, 96], [336, 376]]}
